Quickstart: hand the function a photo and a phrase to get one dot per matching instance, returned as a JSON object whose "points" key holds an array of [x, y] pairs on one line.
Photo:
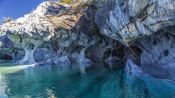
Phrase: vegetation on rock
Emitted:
{"points": [[69, 1]]}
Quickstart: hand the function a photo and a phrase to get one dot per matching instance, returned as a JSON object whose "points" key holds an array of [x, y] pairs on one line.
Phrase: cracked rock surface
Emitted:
{"points": [[137, 33], [126, 20]]}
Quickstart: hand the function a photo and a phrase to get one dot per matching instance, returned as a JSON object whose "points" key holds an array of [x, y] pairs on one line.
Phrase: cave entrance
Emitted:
{"points": [[6, 57]]}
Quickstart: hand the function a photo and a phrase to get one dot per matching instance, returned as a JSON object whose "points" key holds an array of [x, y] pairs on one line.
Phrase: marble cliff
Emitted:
{"points": [[136, 33]]}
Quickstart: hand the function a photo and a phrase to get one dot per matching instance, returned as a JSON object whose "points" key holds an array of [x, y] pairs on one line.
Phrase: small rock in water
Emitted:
{"points": [[64, 60], [83, 62], [132, 69]]}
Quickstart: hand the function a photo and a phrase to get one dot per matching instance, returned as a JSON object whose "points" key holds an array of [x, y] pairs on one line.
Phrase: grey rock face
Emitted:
{"points": [[126, 20], [158, 56], [41, 26], [132, 69], [148, 25], [54, 33], [58, 34], [6, 48]]}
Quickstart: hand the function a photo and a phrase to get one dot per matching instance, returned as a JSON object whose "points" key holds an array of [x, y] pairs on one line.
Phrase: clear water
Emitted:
{"points": [[99, 82]]}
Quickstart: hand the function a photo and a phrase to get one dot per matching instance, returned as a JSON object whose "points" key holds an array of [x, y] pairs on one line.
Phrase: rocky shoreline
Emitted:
{"points": [[138, 32]]}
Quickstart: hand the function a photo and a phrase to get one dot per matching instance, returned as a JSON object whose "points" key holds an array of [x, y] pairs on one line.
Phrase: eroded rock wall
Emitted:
{"points": [[116, 32], [60, 34], [146, 27], [126, 20]]}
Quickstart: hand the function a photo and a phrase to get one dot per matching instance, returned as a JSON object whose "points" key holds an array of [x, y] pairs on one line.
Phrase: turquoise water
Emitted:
{"points": [[98, 82]]}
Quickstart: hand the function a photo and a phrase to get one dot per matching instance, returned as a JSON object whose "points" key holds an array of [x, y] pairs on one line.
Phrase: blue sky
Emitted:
{"points": [[17, 8]]}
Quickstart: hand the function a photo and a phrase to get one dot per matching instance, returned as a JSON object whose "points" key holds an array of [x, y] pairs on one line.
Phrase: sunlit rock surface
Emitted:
{"points": [[101, 49], [136, 33], [54, 33], [50, 21]]}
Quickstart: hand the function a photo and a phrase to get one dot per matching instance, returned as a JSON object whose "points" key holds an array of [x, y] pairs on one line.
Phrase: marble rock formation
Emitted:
{"points": [[127, 20]]}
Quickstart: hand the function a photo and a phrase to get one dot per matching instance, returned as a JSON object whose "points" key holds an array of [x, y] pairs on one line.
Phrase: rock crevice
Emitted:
{"points": [[108, 31]]}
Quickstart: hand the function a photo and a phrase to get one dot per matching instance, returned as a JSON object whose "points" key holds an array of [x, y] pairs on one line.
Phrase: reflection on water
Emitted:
{"points": [[98, 82], [8, 67]]}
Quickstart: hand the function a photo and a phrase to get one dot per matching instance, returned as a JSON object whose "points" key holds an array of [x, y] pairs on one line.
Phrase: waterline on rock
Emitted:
{"points": [[98, 82], [14, 68]]}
